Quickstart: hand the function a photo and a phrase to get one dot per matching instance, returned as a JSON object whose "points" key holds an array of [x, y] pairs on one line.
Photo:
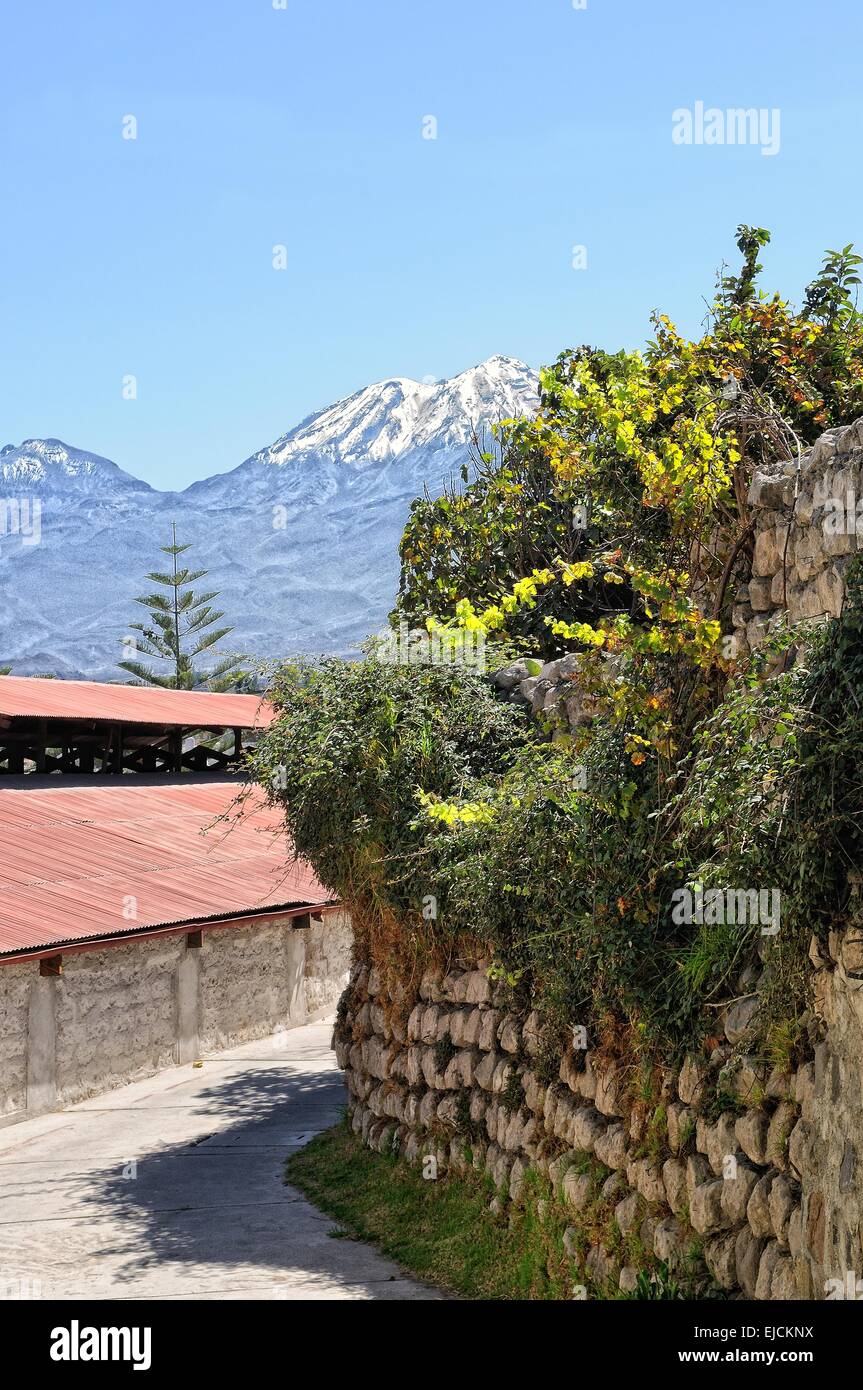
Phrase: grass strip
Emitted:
{"points": [[442, 1230]]}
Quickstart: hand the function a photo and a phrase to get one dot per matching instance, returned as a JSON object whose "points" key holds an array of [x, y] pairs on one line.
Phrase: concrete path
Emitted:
{"points": [[172, 1188]]}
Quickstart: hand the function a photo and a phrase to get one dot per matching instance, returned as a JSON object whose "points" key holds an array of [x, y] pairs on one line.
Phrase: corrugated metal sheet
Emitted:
{"points": [[74, 859], [34, 698]]}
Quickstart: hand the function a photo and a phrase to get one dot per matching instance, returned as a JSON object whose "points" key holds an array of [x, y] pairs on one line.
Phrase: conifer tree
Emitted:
{"points": [[183, 626]]}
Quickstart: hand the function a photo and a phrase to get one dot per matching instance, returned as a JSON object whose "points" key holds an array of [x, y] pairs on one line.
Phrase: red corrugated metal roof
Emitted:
{"points": [[71, 859], [35, 698]]}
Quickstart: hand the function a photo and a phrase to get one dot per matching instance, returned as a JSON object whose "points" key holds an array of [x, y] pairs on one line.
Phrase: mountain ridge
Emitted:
{"points": [[300, 538]]}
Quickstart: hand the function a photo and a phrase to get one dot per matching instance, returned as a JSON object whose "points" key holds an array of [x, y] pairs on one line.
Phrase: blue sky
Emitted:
{"points": [[302, 127]]}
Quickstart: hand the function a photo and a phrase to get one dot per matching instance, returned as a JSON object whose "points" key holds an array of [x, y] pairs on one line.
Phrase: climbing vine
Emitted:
{"points": [[614, 523]]}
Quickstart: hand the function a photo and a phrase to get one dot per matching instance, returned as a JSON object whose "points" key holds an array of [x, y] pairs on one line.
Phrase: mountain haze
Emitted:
{"points": [[301, 539]]}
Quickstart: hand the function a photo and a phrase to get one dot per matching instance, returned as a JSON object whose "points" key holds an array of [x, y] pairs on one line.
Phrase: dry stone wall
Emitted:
{"points": [[550, 690], [807, 525], [751, 1172], [807, 519], [830, 1092]]}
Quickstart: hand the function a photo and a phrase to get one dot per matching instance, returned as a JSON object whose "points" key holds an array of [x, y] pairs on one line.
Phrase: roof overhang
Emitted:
{"points": [[34, 697], [95, 943]]}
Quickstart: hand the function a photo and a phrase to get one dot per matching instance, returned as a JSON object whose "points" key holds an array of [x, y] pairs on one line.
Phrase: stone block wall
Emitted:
{"points": [[807, 524], [754, 1170], [831, 1097], [806, 530], [735, 1165]]}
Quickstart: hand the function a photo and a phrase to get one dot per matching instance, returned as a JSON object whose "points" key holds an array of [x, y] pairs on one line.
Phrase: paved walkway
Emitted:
{"points": [[206, 1214]]}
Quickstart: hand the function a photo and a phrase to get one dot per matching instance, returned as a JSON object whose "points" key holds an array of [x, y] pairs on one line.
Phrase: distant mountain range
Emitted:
{"points": [[301, 539]]}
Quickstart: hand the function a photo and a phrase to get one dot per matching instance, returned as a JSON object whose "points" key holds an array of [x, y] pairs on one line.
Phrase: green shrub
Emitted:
{"points": [[444, 818], [355, 745]]}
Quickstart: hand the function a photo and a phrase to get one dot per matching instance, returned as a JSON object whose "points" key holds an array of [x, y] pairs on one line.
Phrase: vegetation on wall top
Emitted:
{"points": [[614, 523]]}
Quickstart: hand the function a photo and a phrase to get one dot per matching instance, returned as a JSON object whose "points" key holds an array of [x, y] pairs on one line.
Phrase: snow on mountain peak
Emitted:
{"points": [[51, 464], [391, 418], [304, 557]]}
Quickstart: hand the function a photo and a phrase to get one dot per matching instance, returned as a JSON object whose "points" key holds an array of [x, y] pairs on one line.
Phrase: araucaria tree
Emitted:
{"points": [[183, 627]]}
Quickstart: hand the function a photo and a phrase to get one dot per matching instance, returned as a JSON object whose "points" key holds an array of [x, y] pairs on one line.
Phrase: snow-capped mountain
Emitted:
{"points": [[301, 539], [413, 425], [49, 468]]}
